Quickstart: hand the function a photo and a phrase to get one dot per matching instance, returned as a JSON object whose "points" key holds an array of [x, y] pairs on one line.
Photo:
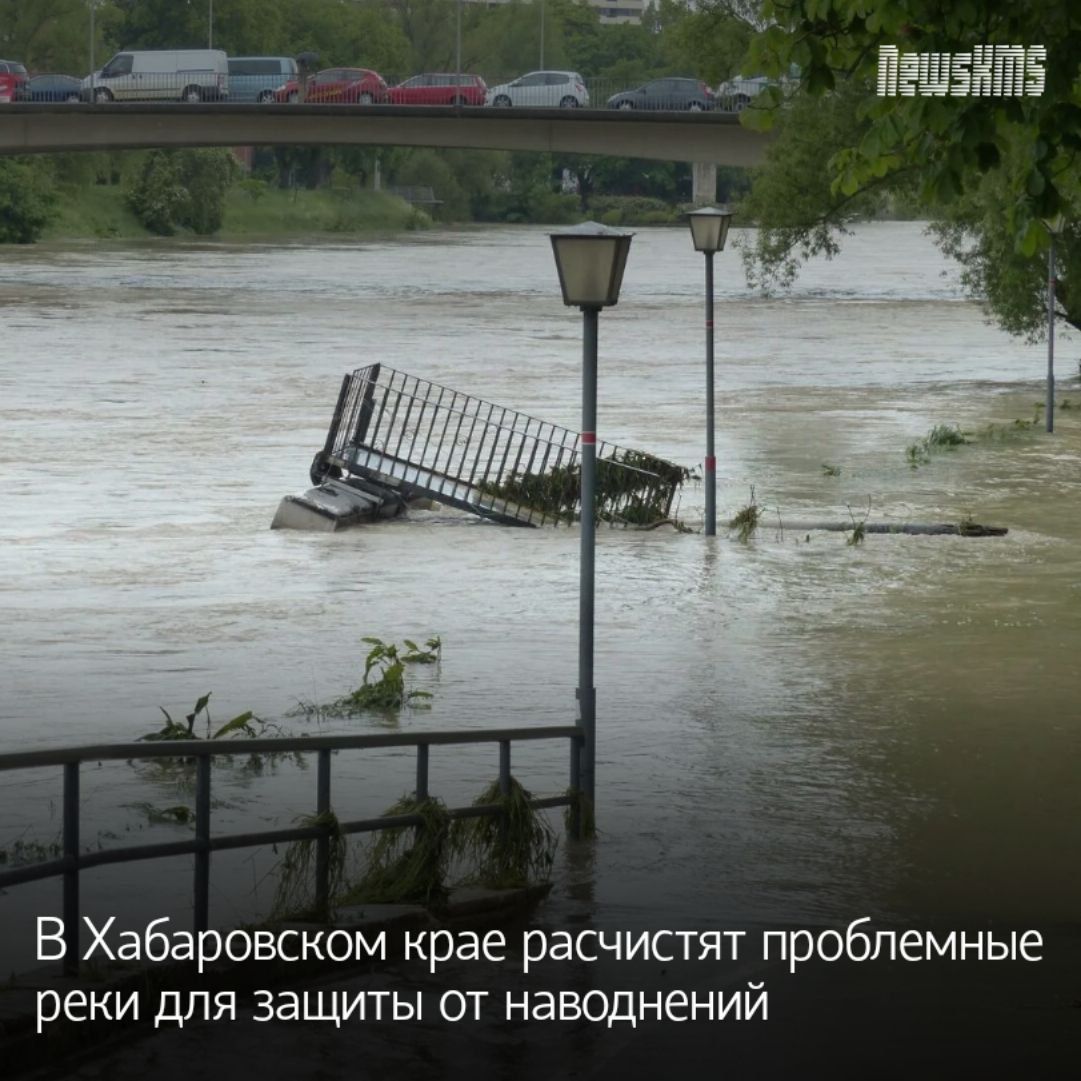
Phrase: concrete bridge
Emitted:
{"points": [[707, 139]]}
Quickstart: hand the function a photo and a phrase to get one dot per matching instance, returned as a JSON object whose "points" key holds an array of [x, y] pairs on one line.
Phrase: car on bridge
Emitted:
{"points": [[669, 93], [265, 79], [188, 75], [12, 76], [439, 89], [50, 88], [551, 89], [346, 86]]}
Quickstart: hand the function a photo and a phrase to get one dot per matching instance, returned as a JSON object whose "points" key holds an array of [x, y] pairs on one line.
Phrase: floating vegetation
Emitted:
{"points": [[859, 528], [510, 849], [408, 863], [830, 470], [747, 520], [22, 853], [294, 895], [632, 487], [940, 437], [246, 724], [383, 687], [179, 815]]}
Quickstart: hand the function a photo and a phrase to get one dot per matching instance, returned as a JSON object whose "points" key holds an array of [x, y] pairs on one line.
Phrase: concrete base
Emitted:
{"points": [[333, 505], [704, 183]]}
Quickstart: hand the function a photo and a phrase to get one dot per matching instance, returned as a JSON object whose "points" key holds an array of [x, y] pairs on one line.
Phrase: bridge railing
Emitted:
{"points": [[200, 754], [486, 457], [197, 87]]}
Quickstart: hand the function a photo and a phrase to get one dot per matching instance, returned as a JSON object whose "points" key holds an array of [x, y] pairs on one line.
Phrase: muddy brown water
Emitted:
{"points": [[789, 730]]}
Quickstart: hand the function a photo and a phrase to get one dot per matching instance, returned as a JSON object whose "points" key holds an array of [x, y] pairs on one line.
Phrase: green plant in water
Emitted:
{"points": [[294, 894], [22, 853], [156, 816], [859, 528], [429, 655], [243, 724], [830, 470], [940, 437], [746, 521], [408, 863], [384, 681], [511, 849], [632, 487]]}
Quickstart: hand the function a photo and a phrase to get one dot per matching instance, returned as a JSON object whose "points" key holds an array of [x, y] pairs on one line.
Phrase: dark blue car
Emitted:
{"points": [[49, 88]]}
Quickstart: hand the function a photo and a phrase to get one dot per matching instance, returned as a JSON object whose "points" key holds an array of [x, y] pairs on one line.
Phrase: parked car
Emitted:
{"points": [[190, 75], [736, 94], [12, 77], [263, 78], [439, 89], [669, 93], [356, 86], [565, 89], [49, 88]]}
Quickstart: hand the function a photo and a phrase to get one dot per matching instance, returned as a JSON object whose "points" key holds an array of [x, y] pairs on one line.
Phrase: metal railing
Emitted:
{"points": [[202, 753], [216, 88], [478, 456]]}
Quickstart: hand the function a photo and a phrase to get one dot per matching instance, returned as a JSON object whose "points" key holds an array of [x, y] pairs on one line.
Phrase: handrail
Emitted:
{"points": [[203, 751], [184, 748]]}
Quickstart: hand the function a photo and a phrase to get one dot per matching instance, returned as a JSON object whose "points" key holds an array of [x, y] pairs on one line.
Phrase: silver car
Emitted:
{"points": [[550, 89]]}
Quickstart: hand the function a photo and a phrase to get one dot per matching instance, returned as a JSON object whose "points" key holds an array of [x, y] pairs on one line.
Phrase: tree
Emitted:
{"points": [[953, 141], [986, 170], [27, 200]]}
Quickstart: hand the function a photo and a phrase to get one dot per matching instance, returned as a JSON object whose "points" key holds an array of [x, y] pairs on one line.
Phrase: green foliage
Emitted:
{"points": [[830, 470], [508, 850], [747, 520], [27, 200], [294, 894], [408, 863], [952, 141], [157, 816], [183, 189], [940, 437], [631, 486], [22, 853], [383, 688], [246, 724]]}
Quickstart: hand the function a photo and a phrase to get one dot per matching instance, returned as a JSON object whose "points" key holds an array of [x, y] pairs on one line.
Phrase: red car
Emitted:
{"points": [[355, 86], [439, 90], [12, 79]]}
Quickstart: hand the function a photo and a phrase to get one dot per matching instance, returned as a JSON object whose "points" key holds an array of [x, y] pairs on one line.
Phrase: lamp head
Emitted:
{"points": [[591, 259], [709, 228]]}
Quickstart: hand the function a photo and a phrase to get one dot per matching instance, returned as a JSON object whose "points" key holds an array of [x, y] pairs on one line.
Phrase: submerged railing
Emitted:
{"points": [[202, 753], [485, 458]]}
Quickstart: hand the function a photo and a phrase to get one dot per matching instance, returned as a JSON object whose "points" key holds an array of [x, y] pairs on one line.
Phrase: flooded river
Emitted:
{"points": [[790, 729]]}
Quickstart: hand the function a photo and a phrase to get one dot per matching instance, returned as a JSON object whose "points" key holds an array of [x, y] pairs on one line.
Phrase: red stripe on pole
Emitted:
{"points": [[589, 437], [711, 465]]}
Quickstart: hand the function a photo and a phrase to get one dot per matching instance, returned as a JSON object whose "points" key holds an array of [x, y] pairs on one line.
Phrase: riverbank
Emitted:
{"points": [[101, 211]]}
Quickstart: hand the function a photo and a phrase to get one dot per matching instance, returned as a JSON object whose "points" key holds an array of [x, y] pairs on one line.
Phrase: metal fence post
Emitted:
{"points": [[422, 772], [202, 840], [575, 823], [71, 872], [322, 844]]}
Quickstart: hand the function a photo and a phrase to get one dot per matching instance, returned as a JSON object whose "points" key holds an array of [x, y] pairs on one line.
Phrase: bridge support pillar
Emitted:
{"points": [[704, 183]]}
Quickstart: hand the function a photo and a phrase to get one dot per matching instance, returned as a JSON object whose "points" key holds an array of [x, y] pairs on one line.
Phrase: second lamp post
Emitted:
{"points": [[590, 259], [709, 229]]}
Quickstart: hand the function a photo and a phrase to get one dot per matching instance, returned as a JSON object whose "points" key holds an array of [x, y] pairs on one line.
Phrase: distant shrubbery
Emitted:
{"points": [[183, 189], [633, 210]]}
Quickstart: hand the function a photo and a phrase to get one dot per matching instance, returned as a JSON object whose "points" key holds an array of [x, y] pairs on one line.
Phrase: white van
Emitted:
{"points": [[190, 75]]}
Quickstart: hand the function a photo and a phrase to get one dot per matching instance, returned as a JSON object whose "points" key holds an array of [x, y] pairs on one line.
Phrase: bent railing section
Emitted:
{"points": [[485, 458], [202, 753]]}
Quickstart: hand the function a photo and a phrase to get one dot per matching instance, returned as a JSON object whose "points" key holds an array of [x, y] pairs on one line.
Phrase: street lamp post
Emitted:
{"points": [[709, 230], [1055, 226], [590, 259], [210, 25]]}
